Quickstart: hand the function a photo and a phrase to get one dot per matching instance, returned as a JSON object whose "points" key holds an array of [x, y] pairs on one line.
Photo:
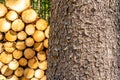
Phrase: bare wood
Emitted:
{"points": [[19, 72], [39, 73], [41, 55], [29, 53], [38, 46], [46, 43], [18, 25], [6, 71], [12, 77], [1, 64], [38, 36], [22, 61], [34, 78], [24, 78], [1, 47], [29, 16], [3, 10], [33, 63], [20, 45], [4, 25], [1, 36], [30, 29], [9, 46], [22, 35], [43, 65], [17, 54], [5, 57], [47, 32], [17, 5], [28, 73], [29, 41], [14, 64], [44, 78], [11, 35], [11, 15], [2, 77], [41, 24]]}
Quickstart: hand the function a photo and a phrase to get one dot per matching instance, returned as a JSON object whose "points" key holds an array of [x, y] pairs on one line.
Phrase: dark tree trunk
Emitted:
{"points": [[119, 41], [82, 44]]}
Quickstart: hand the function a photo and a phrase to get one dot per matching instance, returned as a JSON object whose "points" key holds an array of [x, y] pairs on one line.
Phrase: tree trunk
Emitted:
{"points": [[119, 40], [83, 40]]}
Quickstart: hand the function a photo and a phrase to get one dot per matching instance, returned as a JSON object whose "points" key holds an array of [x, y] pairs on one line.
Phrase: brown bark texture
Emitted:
{"points": [[119, 40], [83, 40]]}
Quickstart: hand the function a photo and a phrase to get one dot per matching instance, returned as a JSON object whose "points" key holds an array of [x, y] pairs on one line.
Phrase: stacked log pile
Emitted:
{"points": [[23, 42]]}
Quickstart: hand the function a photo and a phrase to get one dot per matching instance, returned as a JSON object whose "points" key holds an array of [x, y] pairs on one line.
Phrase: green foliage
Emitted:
{"points": [[42, 7], [2, 1]]}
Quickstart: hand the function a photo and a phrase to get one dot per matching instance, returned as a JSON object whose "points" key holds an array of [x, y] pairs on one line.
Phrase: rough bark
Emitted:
{"points": [[119, 40], [83, 39]]}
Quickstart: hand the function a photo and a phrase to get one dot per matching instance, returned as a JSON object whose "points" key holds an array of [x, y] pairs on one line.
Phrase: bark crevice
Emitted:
{"points": [[83, 39]]}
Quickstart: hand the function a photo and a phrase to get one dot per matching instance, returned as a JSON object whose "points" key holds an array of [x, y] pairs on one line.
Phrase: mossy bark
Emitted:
{"points": [[83, 40]]}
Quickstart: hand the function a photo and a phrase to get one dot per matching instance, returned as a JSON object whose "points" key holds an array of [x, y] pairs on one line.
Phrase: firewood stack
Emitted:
{"points": [[23, 42]]}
